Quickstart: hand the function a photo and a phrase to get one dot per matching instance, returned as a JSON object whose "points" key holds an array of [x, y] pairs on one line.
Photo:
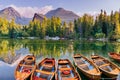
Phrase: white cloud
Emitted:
{"points": [[93, 13], [29, 11], [1, 6]]}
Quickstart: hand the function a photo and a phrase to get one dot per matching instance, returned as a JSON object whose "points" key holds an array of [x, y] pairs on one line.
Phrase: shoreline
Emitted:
{"points": [[57, 39]]}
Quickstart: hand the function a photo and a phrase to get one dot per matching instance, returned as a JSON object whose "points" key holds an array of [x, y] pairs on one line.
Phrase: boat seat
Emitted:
{"points": [[25, 65], [105, 65], [63, 62], [94, 57], [44, 72], [62, 69], [77, 56], [83, 65], [64, 78]]}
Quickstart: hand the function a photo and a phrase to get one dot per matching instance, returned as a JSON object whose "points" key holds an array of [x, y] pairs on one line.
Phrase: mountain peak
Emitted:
{"points": [[10, 8], [65, 15], [9, 13], [60, 8], [38, 17]]}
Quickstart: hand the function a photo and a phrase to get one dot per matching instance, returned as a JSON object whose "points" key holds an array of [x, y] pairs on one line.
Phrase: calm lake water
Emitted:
{"points": [[12, 51]]}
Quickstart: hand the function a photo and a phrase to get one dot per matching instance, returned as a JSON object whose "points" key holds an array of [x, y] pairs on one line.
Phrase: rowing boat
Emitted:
{"points": [[25, 68], [107, 67], [87, 67], [45, 70], [66, 71], [114, 56]]}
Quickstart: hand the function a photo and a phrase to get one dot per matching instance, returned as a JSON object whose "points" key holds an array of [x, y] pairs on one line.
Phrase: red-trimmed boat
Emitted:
{"points": [[66, 71], [114, 56], [25, 68]]}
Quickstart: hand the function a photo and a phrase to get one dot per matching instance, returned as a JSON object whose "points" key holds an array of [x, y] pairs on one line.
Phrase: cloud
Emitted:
{"points": [[93, 13], [29, 11], [1, 6]]}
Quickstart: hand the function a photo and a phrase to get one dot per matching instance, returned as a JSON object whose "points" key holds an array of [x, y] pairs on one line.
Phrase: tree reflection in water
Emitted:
{"points": [[12, 50]]}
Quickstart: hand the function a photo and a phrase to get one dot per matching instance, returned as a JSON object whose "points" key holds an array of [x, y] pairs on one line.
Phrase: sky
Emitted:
{"points": [[27, 8]]}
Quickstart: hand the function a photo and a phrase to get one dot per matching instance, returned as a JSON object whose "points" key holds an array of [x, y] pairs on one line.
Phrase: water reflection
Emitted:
{"points": [[11, 51]]}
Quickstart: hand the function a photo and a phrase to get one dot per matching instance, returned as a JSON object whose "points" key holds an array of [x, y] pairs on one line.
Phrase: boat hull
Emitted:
{"points": [[45, 70], [94, 77], [109, 69], [65, 69], [114, 56], [113, 76], [86, 73], [25, 68]]}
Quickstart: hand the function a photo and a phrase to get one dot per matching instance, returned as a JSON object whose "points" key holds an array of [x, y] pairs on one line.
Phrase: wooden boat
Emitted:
{"points": [[107, 67], [87, 67], [25, 68], [45, 70], [114, 56], [66, 71]]}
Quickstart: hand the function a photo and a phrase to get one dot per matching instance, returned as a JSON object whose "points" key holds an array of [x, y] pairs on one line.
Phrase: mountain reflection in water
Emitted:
{"points": [[12, 51]]}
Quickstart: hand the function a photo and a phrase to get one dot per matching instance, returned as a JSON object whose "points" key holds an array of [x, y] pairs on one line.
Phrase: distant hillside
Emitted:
{"points": [[65, 15], [10, 13], [23, 21]]}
